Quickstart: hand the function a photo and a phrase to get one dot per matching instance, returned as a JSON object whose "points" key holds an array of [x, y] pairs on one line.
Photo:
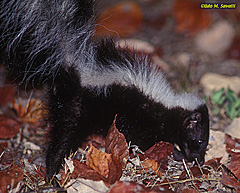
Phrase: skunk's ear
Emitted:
{"points": [[193, 120]]}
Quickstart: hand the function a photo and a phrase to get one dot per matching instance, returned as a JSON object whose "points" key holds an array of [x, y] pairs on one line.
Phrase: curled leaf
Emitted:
{"points": [[116, 142]]}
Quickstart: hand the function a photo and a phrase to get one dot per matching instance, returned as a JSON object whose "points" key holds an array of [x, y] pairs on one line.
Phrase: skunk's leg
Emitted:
{"points": [[64, 115]]}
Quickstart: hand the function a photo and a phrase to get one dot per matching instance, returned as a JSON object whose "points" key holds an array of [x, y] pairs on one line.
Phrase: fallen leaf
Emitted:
{"points": [[230, 182], [214, 163], [159, 152], [9, 178], [152, 164], [231, 143], [30, 114], [6, 94], [121, 20], [235, 164], [190, 17], [81, 170], [116, 143], [108, 165], [131, 187], [115, 169], [98, 160], [231, 177], [195, 172], [8, 127]]}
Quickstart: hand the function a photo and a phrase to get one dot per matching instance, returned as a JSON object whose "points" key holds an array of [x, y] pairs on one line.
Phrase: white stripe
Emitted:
{"points": [[147, 79]]}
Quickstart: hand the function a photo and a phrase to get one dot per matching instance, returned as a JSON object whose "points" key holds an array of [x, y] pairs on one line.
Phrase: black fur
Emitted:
{"points": [[56, 46]]}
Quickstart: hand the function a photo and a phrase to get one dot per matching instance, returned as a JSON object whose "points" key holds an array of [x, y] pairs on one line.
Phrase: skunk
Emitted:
{"points": [[90, 81]]}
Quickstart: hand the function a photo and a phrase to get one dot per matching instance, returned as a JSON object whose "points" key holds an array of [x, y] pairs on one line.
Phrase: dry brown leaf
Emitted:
{"points": [[231, 143], [116, 142], [230, 181], [6, 94], [195, 171], [115, 169], [235, 164], [30, 114], [159, 152], [231, 174], [8, 127], [214, 163], [82, 170], [108, 165], [131, 187], [98, 160], [149, 163], [9, 178], [121, 20], [190, 17]]}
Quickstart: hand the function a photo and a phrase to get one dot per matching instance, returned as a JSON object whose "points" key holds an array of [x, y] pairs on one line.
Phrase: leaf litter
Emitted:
{"points": [[154, 170]]}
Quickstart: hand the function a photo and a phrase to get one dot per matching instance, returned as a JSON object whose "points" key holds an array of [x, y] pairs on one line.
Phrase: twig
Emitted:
{"points": [[185, 166]]}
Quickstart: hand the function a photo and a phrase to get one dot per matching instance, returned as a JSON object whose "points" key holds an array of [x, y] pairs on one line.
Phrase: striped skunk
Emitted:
{"points": [[90, 81]]}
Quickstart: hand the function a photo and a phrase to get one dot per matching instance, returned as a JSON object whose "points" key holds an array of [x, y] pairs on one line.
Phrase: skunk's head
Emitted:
{"points": [[194, 136]]}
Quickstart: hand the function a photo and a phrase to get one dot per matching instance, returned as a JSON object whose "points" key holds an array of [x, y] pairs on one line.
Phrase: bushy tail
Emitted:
{"points": [[38, 37]]}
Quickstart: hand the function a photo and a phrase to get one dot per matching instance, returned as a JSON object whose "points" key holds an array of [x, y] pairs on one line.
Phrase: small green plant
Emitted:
{"points": [[227, 100]]}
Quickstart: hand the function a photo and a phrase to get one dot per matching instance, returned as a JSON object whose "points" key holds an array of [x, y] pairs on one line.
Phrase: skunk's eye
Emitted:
{"points": [[200, 141]]}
